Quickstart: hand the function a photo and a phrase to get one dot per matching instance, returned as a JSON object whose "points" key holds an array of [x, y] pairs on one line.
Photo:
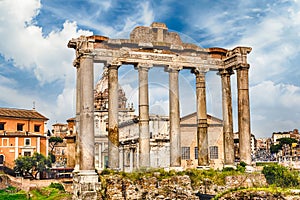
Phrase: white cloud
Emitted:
{"points": [[46, 56], [273, 107]]}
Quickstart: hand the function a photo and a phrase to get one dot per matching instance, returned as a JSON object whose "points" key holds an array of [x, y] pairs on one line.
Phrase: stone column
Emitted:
{"points": [[175, 141], [228, 136], [244, 113], [144, 135], [113, 117], [202, 137], [86, 136], [77, 119]]}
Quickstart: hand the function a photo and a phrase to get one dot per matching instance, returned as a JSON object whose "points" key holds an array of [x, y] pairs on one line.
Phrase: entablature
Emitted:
{"points": [[158, 47]]}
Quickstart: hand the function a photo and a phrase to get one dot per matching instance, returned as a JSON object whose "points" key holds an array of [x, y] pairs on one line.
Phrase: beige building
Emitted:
{"points": [[279, 135], [189, 155], [160, 142]]}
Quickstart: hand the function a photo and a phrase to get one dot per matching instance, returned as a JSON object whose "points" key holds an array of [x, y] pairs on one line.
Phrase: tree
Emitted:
{"points": [[53, 141], [32, 165], [275, 148]]}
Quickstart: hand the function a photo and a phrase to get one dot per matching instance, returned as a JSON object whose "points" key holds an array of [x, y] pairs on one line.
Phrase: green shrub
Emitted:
{"points": [[57, 186], [280, 176]]}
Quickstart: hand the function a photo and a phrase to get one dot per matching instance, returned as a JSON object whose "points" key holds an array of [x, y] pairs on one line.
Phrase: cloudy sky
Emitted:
{"points": [[36, 65]]}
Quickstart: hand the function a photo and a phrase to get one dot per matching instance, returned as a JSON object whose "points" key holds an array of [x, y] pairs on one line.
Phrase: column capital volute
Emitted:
{"points": [[173, 68], [242, 66], [76, 63], [225, 72], [143, 66], [112, 64], [86, 53], [199, 70]]}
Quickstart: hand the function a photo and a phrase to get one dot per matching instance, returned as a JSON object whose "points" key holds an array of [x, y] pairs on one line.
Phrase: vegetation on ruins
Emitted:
{"points": [[281, 176], [32, 165], [198, 177]]}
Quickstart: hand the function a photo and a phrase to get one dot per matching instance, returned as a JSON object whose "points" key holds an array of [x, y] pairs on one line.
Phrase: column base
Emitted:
{"points": [[86, 185]]}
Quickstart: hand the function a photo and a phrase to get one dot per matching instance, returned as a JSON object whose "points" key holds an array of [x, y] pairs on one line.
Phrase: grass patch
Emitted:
{"points": [[49, 193], [11, 193]]}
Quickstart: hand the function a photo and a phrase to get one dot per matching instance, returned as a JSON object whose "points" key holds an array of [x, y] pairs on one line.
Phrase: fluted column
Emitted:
{"points": [[113, 126], [144, 135], [175, 142], [244, 113], [228, 137], [202, 137], [86, 136]]}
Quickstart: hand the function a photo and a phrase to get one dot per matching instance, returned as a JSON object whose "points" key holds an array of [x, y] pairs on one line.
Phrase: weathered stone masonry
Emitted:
{"points": [[148, 47]]}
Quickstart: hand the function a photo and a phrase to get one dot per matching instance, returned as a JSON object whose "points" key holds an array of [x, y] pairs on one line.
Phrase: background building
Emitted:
{"points": [[22, 132]]}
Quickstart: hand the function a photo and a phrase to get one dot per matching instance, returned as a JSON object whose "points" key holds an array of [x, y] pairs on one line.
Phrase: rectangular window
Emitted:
{"points": [[5, 142], [213, 152], [20, 127], [37, 128], [27, 153], [185, 153], [2, 126], [196, 152], [27, 141]]}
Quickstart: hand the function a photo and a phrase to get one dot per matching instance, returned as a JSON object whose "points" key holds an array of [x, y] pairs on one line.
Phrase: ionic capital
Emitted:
{"points": [[199, 70], [85, 54], [143, 66], [242, 66], [112, 64], [173, 68], [225, 72]]}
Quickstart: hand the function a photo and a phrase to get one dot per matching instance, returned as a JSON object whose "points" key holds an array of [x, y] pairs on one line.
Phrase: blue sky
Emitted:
{"points": [[36, 65]]}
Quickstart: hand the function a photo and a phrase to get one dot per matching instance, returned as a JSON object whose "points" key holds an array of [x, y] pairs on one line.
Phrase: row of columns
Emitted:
{"points": [[85, 115], [243, 114]]}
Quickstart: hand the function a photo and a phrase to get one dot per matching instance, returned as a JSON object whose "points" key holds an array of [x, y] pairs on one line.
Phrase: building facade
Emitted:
{"points": [[22, 133]]}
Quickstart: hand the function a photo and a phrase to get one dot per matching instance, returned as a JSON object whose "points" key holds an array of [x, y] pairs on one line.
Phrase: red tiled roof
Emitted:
{"points": [[21, 113]]}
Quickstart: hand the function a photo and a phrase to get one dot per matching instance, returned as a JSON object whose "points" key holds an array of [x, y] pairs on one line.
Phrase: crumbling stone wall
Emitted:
{"points": [[176, 187]]}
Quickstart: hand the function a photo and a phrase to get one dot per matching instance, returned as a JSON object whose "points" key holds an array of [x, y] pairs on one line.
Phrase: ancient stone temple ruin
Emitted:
{"points": [[148, 47]]}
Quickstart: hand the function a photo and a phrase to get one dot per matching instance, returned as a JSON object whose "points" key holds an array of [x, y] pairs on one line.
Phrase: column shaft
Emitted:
{"points": [[113, 129], [77, 119], [175, 141], [244, 113], [228, 137], [201, 119], [86, 136], [144, 139]]}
